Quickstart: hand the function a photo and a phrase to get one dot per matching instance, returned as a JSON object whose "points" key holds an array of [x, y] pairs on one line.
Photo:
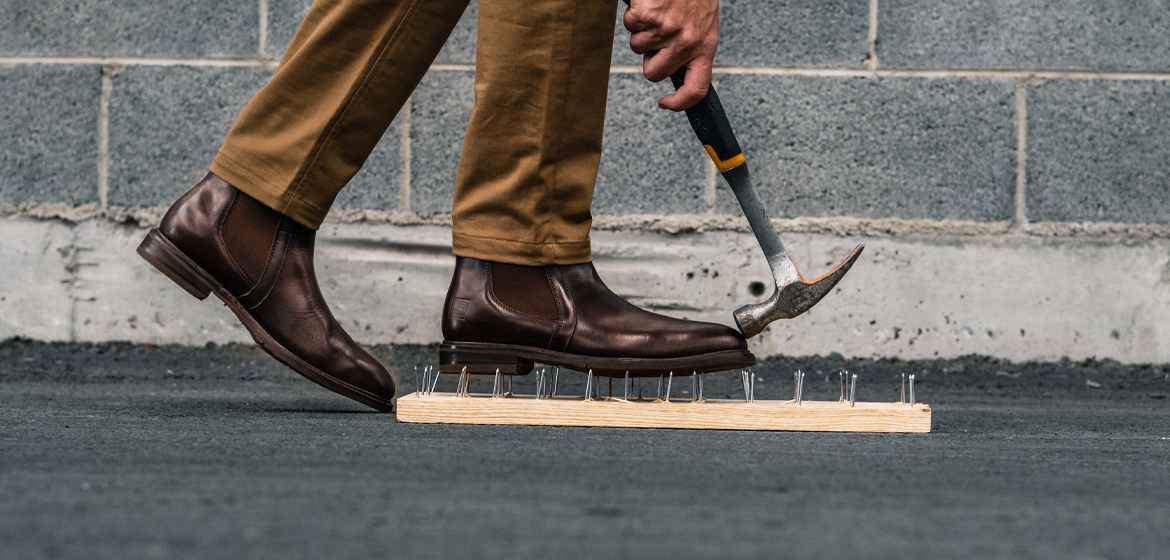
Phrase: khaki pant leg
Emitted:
{"points": [[533, 145], [349, 69]]}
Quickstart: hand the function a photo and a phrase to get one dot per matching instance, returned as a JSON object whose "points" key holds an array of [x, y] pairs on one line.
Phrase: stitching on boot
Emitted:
{"points": [[271, 258], [276, 277]]}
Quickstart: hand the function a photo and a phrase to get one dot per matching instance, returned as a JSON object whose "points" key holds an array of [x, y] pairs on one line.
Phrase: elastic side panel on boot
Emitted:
{"points": [[249, 231], [524, 289]]}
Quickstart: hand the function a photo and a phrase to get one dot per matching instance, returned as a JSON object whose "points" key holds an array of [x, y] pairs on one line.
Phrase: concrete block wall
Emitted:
{"points": [[939, 127]]}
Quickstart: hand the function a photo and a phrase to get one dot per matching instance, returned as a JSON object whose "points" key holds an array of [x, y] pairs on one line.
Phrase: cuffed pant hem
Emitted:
{"points": [[267, 194], [520, 252]]}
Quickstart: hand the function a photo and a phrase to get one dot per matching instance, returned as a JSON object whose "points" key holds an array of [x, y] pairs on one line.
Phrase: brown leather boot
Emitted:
{"points": [[508, 316], [260, 263]]}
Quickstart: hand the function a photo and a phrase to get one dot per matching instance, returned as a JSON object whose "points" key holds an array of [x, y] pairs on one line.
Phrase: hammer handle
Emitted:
{"points": [[710, 124]]}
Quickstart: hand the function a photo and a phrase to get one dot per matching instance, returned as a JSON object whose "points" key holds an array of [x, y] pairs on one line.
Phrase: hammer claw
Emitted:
{"points": [[792, 299]]}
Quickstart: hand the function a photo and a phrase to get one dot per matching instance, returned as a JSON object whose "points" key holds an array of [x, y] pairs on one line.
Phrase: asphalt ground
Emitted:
{"points": [[131, 451]]}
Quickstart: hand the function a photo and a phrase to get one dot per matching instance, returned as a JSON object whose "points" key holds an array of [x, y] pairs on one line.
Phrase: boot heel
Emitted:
{"points": [[452, 359], [164, 256]]}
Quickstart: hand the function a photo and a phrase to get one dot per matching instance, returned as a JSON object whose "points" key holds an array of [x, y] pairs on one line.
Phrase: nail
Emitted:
{"points": [[626, 389], [853, 392], [911, 390], [509, 386], [752, 386], [796, 386], [799, 387], [694, 386], [556, 378], [841, 380], [669, 380], [435, 380], [700, 387], [903, 388], [589, 386]]}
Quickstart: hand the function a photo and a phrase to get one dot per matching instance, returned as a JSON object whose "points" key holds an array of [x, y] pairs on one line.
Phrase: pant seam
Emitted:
{"points": [[564, 103]]}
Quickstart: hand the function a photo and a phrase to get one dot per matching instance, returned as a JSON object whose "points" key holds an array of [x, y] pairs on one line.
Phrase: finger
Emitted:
{"points": [[646, 41], [694, 88], [658, 66], [632, 23]]}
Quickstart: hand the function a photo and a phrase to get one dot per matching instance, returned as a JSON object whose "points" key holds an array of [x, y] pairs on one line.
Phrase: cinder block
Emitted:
{"points": [[651, 162], [166, 123], [204, 28], [779, 33], [284, 17], [439, 110], [48, 133], [793, 33], [1100, 34], [460, 46], [377, 185], [875, 147], [1099, 151]]}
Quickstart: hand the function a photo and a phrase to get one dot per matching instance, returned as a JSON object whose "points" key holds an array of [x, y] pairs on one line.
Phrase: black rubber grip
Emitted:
{"points": [[710, 123]]}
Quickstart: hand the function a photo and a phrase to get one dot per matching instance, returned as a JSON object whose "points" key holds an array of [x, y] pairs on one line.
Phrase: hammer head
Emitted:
{"points": [[794, 295]]}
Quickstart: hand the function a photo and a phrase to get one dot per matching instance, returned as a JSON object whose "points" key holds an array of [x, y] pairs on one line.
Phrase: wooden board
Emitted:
{"points": [[711, 414]]}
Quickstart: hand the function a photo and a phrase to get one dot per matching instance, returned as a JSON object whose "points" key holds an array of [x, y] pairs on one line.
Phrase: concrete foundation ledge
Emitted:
{"points": [[1015, 297]]}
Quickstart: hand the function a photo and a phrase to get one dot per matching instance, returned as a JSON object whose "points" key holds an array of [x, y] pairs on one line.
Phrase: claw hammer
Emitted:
{"points": [[794, 295]]}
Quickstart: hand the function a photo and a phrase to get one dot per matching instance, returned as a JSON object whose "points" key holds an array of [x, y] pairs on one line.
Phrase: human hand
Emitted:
{"points": [[671, 34]]}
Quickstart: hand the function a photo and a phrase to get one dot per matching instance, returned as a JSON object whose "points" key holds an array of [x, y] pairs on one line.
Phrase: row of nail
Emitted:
{"points": [[850, 397], [429, 379], [425, 383]]}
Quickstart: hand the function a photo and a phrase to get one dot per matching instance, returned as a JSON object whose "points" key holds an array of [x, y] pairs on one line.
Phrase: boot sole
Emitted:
{"points": [[485, 358], [157, 250]]}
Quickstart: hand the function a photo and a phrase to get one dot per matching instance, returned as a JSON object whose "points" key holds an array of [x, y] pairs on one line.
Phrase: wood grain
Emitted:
{"points": [[712, 414]]}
